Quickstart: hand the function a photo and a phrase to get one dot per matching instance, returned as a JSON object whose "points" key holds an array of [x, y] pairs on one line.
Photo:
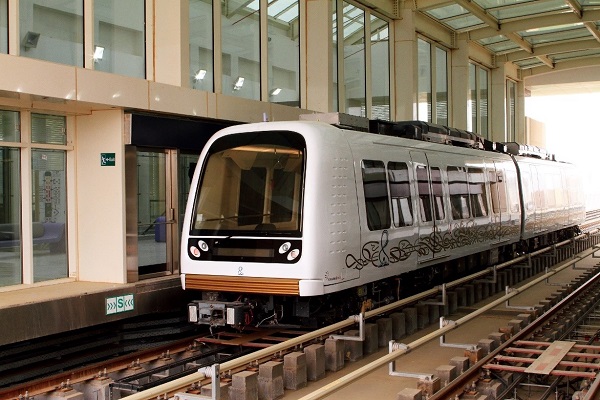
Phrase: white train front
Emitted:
{"points": [[285, 211]]}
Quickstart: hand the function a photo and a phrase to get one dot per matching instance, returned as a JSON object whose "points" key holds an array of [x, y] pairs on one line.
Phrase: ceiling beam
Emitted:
{"points": [[549, 48], [575, 7], [563, 65], [480, 13], [522, 43], [424, 5], [535, 22], [591, 26], [546, 60]]}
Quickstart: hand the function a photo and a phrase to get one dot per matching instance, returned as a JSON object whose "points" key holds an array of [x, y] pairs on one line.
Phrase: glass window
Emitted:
{"points": [[52, 31], [284, 52], [424, 81], [432, 83], [472, 99], [424, 190], [354, 60], [10, 126], [201, 45], [252, 182], [241, 49], [49, 200], [10, 215], [483, 93], [477, 107], [49, 129], [380, 69], [438, 194], [511, 99], [334, 50], [4, 26], [459, 192], [513, 192], [477, 192], [376, 194], [497, 191], [402, 214], [441, 86], [119, 37]]}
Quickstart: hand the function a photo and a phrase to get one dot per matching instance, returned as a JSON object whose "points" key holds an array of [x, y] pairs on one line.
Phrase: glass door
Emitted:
{"points": [[152, 213]]}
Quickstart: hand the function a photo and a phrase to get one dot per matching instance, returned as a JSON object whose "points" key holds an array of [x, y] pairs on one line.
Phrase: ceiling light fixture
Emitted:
{"points": [[200, 74], [98, 53], [275, 91], [238, 83]]}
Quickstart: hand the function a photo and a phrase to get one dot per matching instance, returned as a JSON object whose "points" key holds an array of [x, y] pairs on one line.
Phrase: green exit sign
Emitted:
{"points": [[107, 159]]}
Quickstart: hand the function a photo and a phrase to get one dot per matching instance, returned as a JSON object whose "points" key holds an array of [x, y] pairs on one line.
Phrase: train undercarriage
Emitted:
{"points": [[220, 309]]}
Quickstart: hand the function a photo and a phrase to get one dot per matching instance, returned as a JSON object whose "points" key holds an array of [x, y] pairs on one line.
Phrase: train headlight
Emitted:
{"points": [[293, 254], [203, 246], [284, 248], [195, 252]]}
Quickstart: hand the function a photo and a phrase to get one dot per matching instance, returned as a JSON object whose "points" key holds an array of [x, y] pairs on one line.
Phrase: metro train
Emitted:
{"points": [[287, 221]]}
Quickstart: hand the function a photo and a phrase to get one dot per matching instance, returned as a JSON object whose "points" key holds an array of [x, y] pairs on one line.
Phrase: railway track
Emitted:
{"points": [[144, 374]]}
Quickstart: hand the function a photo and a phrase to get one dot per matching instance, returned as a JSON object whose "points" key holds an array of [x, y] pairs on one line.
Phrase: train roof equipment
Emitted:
{"points": [[425, 131]]}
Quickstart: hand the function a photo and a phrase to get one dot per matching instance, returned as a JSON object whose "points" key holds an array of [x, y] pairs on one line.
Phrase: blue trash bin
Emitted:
{"points": [[160, 230]]}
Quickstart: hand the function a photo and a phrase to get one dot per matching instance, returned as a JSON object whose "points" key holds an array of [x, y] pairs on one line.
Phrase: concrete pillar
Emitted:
{"points": [[405, 52], [410, 394], [315, 361], [398, 325], [352, 348], [334, 354], [410, 317], [384, 331], [446, 373], [244, 386], [319, 57], [294, 370], [422, 315], [460, 82], [270, 380], [371, 342]]}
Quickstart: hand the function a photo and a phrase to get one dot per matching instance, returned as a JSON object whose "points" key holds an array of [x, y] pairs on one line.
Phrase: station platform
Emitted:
{"points": [[33, 312]]}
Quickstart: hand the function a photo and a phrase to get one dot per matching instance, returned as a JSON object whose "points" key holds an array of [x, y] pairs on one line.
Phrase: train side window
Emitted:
{"points": [[424, 194], [438, 194], [512, 191], [477, 192], [376, 194], [498, 191], [400, 194], [459, 192]]}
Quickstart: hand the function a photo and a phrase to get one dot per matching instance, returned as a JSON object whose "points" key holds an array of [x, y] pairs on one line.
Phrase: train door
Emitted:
{"points": [[426, 241], [499, 199], [152, 212]]}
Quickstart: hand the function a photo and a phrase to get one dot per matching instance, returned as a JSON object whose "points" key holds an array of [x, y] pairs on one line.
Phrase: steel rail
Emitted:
{"points": [[184, 382], [367, 369]]}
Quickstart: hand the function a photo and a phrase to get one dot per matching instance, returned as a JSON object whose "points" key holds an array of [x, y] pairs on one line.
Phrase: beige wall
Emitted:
{"points": [[100, 198]]}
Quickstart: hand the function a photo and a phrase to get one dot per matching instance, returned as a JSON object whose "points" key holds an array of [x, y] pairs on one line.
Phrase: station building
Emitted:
{"points": [[105, 106]]}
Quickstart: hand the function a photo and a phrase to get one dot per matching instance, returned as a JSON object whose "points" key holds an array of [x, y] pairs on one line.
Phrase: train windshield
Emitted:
{"points": [[252, 183]]}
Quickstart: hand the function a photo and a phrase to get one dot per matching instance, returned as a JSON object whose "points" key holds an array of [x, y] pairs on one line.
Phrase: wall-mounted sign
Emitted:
{"points": [[119, 304], [107, 159]]}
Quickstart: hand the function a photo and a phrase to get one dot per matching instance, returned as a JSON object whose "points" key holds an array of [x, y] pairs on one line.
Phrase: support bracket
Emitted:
{"points": [[507, 303], [393, 346], [361, 330], [438, 303], [445, 322]]}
